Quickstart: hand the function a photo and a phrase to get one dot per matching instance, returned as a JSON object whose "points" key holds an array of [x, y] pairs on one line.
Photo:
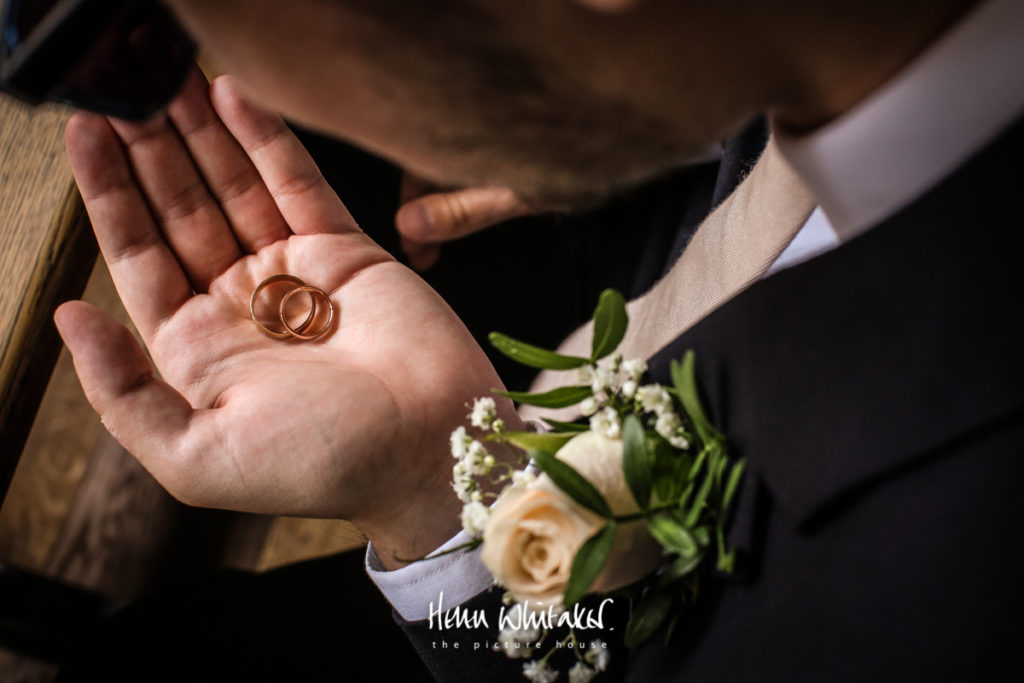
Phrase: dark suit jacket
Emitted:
{"points": [[877, 393]]}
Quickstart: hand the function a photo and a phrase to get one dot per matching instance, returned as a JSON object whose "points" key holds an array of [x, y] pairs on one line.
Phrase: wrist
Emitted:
{"points": [[426, 514]]}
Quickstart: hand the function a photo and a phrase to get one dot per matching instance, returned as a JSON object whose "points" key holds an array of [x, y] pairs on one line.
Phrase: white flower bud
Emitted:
{"points": [[522, 479], [474, 517], [585, 374], [606, 423], [581, 673], [458, 441], [597, 656], [635, 368], [462, 487], [484, 412], [653, 398], [475, 459], [588, 406], [679, 442], [602, 379], [629, 388], [667, 424], [539, 672]]}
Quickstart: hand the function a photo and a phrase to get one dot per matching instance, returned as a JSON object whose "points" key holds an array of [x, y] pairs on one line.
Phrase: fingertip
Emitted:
{"points": [[227, 96], [415, 221], [83, 128], [78, 322], [246, 120]]}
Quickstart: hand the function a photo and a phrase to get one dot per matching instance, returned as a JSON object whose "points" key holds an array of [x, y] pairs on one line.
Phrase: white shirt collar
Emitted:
{"points": [[920, 125]]}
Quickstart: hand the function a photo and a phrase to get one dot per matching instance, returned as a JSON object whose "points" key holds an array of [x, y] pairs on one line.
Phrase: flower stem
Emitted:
{"points": [[644, 514]]}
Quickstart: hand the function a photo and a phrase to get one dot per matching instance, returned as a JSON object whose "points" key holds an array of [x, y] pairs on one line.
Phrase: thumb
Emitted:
{"points": [[146, 415], [444, 216]]}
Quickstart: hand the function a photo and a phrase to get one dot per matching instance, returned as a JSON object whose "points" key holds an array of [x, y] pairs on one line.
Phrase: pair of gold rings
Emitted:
{"points": [[317, 297]]}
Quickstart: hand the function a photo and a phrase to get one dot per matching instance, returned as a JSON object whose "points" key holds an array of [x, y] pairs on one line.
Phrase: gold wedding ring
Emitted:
{"points": [[299, 331]]}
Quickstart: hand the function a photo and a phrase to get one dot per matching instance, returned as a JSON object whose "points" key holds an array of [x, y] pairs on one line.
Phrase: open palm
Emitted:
{"points": [[192, 211]]}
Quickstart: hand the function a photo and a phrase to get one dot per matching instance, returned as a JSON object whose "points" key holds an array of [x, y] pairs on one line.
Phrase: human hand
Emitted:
{"points": [[429, 217], [192, 210]]}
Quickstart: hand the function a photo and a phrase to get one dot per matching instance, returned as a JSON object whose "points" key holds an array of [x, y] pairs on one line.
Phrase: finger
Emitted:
{"points": [[188, 216], [421, 256], [304, 198], [230, 175], [445, 216], [148, 277], [145, 414]]}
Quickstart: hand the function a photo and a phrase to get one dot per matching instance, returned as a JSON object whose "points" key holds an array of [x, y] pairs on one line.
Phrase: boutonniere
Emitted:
{"points": [[637, 496]]}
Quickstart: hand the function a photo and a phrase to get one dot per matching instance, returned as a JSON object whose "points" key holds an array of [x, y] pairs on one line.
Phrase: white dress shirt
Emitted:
{"points": [[888, 150]]}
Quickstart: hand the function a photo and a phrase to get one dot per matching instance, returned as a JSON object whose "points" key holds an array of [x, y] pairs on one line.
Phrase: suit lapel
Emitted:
{"points": [[871, 358]]}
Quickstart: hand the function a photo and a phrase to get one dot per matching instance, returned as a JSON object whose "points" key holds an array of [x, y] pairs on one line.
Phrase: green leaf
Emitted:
{"points": [[548, 443], [702, 496], [534, 356], [673, 536], [649, 614], [566, 426], [589, 561], [636, 464], [610, 321], [699, 462], [731, 484], [572, 482], [685, 380], [678, 568], [556, 398]]}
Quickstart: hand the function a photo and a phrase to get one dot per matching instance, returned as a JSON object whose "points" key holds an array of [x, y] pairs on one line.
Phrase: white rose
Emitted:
{"points": [[533, 534]]}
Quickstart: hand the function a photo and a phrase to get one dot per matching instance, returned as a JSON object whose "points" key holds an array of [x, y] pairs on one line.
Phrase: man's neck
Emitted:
{"points": [[855, 55]]}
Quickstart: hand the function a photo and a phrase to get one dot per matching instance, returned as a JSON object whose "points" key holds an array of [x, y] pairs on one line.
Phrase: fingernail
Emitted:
{"points": [[414, 221]]}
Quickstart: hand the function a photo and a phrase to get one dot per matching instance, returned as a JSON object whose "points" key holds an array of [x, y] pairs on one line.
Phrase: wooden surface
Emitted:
{"points": [[46, 253]]}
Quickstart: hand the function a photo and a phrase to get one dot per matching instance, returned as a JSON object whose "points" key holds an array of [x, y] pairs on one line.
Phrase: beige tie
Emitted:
{"points": [[730, 250]]}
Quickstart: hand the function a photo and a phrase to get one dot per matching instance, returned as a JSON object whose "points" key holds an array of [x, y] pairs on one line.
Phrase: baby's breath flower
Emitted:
{"points": [[585, 374], [654, 398], [476, 496], [498, 425], [667, 424], [597, 655], [671, 428], [606, 423], [484, 412], [522, 479], [463, 487], [588, 406], [459, 440], [474, 517], [679, 441], [602, 379], [476, 459], [581, 673], [539, 672], [629, 388], [635, 368]]}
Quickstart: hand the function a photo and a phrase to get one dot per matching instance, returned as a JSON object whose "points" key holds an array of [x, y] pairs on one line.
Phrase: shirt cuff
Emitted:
{"points": [[412, 588]]}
